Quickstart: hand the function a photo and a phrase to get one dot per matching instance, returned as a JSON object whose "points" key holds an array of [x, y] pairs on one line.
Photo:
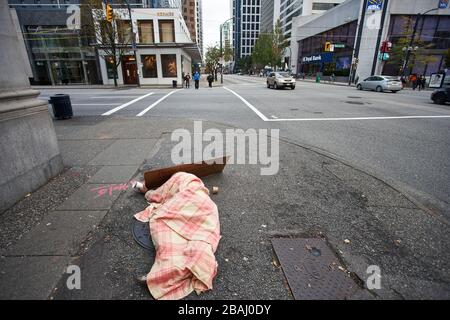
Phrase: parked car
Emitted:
{"points": [[380, 84], [280, 80], [441, 96]]}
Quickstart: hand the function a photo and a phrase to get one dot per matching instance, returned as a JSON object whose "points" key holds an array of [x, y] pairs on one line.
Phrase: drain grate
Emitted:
{"points": [[312, 270], [141, 233]]}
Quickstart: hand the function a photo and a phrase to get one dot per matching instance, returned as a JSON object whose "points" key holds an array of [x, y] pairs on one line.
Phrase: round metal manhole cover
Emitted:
{"points": [[141, 234]]}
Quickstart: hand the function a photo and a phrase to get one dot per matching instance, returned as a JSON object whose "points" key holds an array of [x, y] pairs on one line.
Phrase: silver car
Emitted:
{"points": [[280, 80], [380, 84]]}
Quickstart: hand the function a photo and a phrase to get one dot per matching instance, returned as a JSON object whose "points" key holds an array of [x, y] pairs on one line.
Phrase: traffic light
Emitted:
{"points": [[109, 13], [386, 46]]}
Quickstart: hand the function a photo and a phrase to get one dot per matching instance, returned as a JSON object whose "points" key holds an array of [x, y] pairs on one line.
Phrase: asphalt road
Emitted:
{"points": [[402, 137]]}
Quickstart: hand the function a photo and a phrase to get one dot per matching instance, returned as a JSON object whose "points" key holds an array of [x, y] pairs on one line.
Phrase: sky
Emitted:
{"points": [[215, 12]]}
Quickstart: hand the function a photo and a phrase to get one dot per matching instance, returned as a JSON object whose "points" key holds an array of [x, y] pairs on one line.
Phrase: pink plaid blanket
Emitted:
{"points": [[185, 229]]}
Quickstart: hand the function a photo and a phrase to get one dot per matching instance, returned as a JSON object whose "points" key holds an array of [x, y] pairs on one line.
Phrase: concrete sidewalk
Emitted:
{"points": [[70, 221]]}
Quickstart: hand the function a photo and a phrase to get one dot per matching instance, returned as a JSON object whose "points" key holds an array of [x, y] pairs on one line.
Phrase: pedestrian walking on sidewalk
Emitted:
{"points": [[196, 79], [210, 80], [187, 80], [413, 80], [423, 82]]}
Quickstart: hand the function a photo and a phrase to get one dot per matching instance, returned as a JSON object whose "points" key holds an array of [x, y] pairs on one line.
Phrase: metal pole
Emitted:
{"points": [[133, 41], [221, 55]]}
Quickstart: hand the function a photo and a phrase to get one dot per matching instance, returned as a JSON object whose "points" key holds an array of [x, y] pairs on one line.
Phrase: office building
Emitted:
{"points": [[357, 32], [246, 26]]}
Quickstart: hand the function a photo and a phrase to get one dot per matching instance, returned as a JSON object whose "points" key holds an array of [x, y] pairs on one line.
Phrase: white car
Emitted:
{"points": [[280, 80], [380, 84]]}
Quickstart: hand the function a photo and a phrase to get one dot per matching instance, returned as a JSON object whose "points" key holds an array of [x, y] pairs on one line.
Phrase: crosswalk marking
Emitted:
{"points": [[110, 112], [140, 114]]}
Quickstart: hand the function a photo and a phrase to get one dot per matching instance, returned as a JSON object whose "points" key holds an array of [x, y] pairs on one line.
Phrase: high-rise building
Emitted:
{"points": [[268, 16], [199, 11], [192, 15], [246, 26], [286, 10]]}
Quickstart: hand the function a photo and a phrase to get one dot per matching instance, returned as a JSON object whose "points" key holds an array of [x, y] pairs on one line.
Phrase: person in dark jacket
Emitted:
{"points": [[210, 80]]}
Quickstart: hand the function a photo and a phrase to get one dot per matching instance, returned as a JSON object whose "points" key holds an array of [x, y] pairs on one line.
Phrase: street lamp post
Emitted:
{"points": [[133, 43], [221, 50], [411, 47]]}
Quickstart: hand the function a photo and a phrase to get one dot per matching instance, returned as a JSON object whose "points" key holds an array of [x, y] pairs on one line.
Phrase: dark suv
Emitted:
{"points": [[441, 96]]}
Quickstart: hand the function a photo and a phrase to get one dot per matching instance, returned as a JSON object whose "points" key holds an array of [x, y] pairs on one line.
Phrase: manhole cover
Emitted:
{"points": [[354, 97], [354, 102], [141, 233], [318, 112], [294, 109], [312, 270]]}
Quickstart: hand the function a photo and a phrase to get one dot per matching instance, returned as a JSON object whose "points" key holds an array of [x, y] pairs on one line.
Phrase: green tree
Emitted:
{"points": [[228, 52], [447, 59], [269, 48], [212, 60], [245, 64], [419, 54]]}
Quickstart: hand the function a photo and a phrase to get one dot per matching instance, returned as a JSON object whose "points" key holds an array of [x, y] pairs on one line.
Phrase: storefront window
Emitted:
{"points": [[146, 33], [149, 69], [166, 31], [169, 65], [109, 67]]}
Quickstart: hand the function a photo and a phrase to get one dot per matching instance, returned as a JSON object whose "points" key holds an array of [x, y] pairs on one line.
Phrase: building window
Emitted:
{"points": [[146, 32], [169, 65], [123, 31], [166, 31], [149, 69]]}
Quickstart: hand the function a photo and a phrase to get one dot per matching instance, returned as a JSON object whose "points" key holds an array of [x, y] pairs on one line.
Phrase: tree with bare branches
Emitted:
{"points": [[112, 38]]}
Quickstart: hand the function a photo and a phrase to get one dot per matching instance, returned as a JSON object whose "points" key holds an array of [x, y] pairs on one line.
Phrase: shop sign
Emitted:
{"points": [[165, 14], [443, 4], [318, 58], [339, 45], [374, 5]]}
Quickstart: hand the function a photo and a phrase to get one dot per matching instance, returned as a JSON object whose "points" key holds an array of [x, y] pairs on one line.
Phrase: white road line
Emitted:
{"points": [[140, 114], [113, 96], [274, 117], [95, 104], [263, 117], [110, 112], [364, 118]]}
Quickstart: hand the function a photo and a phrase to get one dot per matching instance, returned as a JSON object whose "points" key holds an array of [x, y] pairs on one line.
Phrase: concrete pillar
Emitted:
{"points": [[29, 153]]}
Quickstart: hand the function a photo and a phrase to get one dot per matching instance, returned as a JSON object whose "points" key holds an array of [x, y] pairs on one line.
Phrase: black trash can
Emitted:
{"points": [[62, 107], [174, 83]]}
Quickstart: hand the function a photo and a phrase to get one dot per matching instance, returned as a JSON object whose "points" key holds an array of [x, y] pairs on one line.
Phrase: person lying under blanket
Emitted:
{"points": [[185, 229]]}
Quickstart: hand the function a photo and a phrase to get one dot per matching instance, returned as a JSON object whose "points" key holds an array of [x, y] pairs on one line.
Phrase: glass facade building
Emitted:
{"points": [[432, 40], [313, 58]]}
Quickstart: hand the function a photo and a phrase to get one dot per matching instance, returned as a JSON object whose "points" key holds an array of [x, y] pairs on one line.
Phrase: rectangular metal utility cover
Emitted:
{"points": [[313, 270]]}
